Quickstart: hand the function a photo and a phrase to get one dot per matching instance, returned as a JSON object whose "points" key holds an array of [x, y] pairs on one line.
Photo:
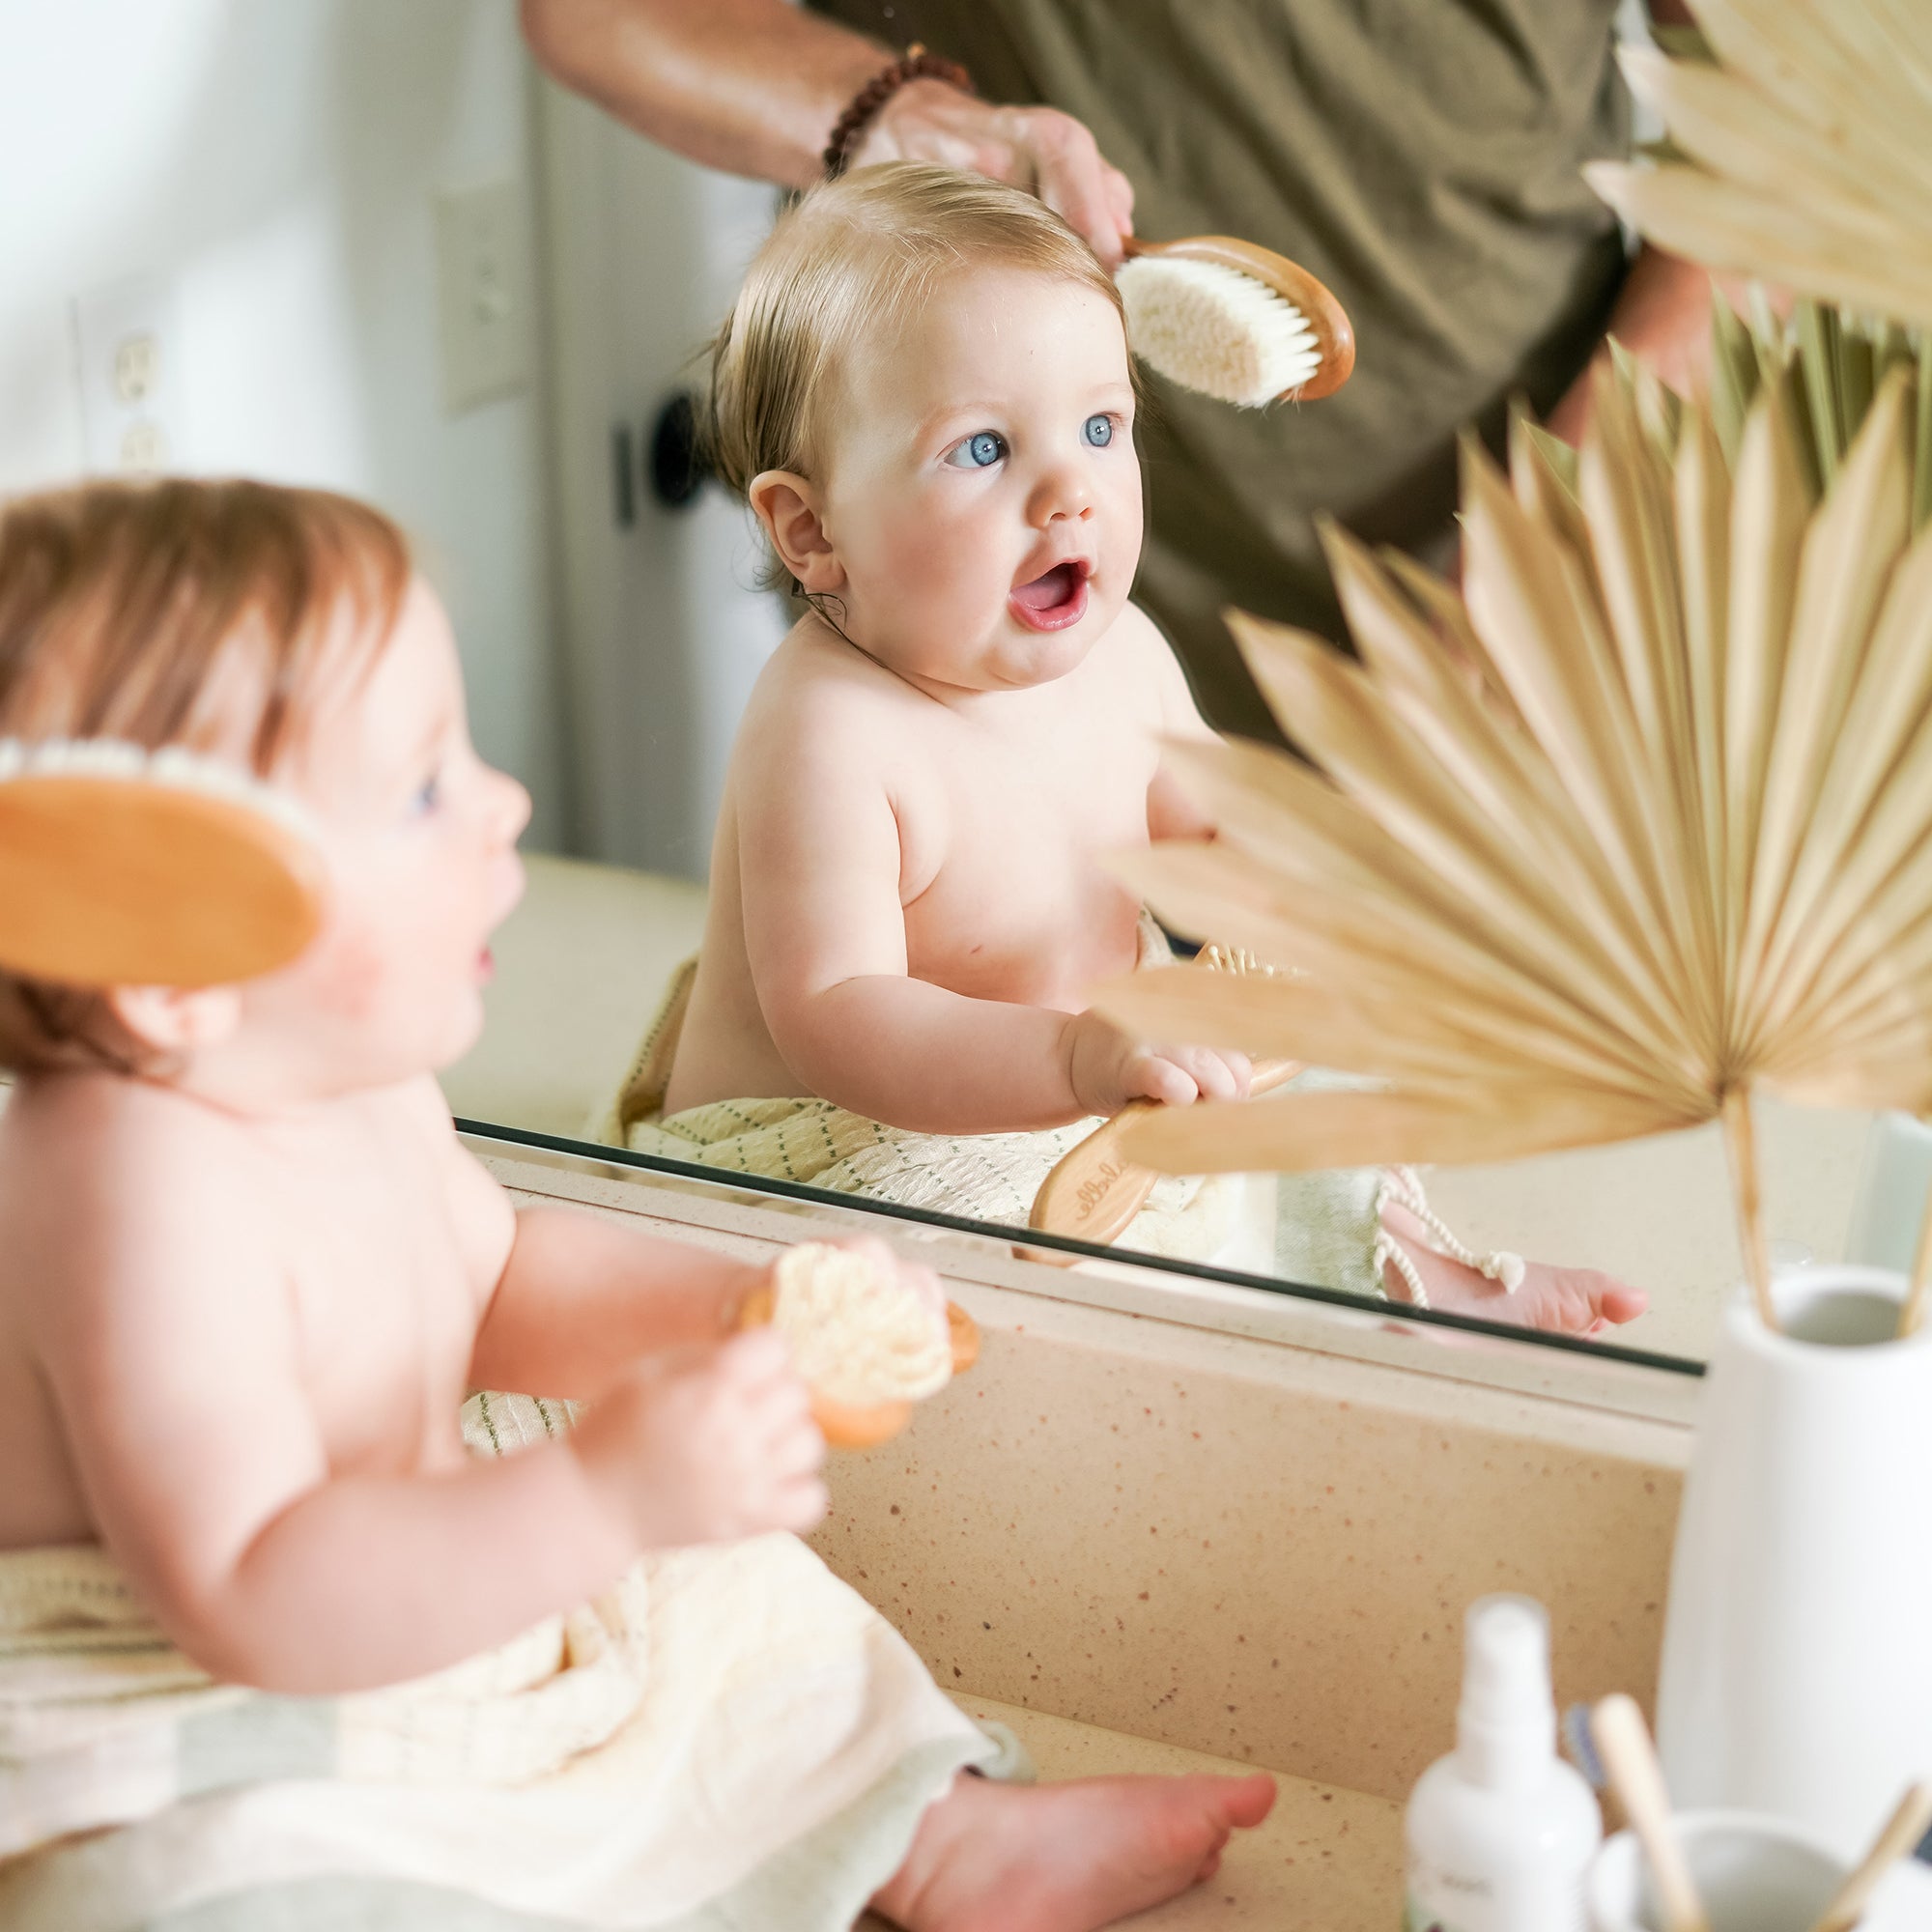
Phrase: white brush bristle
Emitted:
{"points": [[1212, 329], [857, 1334], [171, 766]]}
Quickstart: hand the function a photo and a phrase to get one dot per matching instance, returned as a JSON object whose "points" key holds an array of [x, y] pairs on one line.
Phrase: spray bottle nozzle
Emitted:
{"points": [[1507, 1722]]}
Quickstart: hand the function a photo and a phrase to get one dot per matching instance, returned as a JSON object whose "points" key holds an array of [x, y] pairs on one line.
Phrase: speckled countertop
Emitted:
{"points": [[1179, 1548]]}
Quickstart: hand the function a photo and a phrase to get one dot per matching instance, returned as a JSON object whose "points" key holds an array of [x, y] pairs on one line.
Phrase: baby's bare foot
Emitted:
{"points": [[1563, 1301], [1065, 1858]]}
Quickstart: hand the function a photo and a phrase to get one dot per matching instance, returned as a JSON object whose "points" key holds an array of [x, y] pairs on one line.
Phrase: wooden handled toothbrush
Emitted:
{"points": [[1629, 1759], [1901, 1832]]}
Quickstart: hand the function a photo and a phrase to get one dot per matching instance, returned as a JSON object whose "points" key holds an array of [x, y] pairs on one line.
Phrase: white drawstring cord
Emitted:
{"points": [[1403, 1185], [1399, 1183]]}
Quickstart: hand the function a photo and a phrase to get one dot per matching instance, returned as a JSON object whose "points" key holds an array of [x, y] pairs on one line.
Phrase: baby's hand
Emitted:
{"points": [[1107, 1068], [707, 1447], [1561, 1300]]}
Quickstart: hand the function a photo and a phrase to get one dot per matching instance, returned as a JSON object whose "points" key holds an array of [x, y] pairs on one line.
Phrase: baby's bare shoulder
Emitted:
{"points": [[815, 676], [89, 1142], [823, 714], [116, 1190], [1148, 674], [1145, 656], [482, 1222]]}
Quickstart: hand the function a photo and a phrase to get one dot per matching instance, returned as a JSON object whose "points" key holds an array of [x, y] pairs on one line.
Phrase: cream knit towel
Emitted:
{"points": [[980, 1176], [728, 1738], [1327, 1224]]}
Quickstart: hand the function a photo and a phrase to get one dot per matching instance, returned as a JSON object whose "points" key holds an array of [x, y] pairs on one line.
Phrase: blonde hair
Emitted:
{"points": [[853, 258], [125, 609]]}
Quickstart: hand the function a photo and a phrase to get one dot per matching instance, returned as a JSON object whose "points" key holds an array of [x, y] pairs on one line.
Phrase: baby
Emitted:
{"points": [[925, 393], [247, 1274]]}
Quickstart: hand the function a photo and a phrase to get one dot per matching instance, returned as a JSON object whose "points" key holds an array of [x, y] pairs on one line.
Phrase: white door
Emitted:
{"points": [[663, 631]]}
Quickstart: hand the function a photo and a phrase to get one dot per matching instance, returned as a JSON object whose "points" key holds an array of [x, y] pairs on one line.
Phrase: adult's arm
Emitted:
{"points": [[1662, 316], [1663, 313], [753, 87]]}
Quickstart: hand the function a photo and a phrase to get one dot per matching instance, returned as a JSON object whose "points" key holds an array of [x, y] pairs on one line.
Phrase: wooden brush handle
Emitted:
{"points": [[1094, 1191], [1334, 333]]}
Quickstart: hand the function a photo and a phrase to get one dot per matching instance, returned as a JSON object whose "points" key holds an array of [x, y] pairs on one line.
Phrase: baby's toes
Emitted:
{"points": [[1582, 1301], [1617, 1303], [1230, 1805], [1253, 1799]]}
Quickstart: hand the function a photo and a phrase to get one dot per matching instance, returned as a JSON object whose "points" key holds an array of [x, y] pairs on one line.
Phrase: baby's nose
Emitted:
{"points": [[1063, 493], [512, 809]]}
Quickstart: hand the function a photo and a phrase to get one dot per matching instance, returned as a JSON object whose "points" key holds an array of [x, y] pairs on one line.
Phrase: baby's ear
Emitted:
{"points": [[174, 1021], [787, 505]]}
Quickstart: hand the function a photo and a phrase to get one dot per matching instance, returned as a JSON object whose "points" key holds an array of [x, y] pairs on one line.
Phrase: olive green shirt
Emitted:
{"points": [[1422, 157]]}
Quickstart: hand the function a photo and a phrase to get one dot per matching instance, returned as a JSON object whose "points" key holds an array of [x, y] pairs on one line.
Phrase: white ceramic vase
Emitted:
{"points": [[1797, 1676]]}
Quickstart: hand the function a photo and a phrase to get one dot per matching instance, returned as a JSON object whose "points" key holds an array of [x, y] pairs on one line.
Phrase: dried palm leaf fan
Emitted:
{"points": [[1677, 847], [1799, 151], [1832, 363]]}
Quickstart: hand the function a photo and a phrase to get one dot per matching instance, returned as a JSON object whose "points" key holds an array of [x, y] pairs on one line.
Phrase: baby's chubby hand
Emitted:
{"points": [[1107, 1068], [707, 1445]]}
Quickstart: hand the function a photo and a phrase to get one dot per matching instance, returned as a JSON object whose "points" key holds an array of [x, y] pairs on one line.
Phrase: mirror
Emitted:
{"points": [[369, 247]]}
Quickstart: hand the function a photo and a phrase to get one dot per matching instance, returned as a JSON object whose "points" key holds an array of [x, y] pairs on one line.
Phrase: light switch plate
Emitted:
{"points": [[484, 292], [129, 354]]}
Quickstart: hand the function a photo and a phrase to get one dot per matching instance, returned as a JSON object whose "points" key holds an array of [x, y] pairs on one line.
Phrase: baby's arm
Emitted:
{"points": [[171, 1342], [574, 1300], [568, 1299], [820, 860]]}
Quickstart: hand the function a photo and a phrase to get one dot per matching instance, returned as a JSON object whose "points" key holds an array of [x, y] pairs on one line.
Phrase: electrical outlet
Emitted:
{"points": [[129, 346], [483, 293]]}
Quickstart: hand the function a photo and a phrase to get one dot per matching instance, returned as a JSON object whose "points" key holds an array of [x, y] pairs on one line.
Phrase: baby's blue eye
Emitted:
{"points": [[429, 794], [1099, 431], [980, 451]]}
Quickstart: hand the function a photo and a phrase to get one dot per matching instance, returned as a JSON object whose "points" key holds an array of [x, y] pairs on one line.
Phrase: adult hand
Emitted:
{"points": [[1039, 149]]}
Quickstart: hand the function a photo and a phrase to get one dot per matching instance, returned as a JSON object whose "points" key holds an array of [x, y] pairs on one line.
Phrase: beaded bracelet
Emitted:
{"points": [[916, 65]]}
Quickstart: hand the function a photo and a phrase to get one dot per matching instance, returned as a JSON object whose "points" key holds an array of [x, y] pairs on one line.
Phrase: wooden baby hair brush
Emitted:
{"points": [[866, 1348], [1094, 1190], [125, 866], [1234, 321]]}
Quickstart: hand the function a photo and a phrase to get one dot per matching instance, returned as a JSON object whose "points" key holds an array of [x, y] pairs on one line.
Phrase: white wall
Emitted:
{"points": [[274, 160]]}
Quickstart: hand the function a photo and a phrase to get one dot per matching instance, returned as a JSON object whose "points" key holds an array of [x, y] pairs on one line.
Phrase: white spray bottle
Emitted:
{"points": [[1500, 1833]]}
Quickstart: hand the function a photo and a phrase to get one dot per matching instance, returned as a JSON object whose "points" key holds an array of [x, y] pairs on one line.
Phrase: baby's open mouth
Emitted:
{"points": [[1053, 600]]}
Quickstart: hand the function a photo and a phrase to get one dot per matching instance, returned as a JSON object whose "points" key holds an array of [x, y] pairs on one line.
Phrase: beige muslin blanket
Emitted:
{"points": [[1326, 1230], [729, 1738]]}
